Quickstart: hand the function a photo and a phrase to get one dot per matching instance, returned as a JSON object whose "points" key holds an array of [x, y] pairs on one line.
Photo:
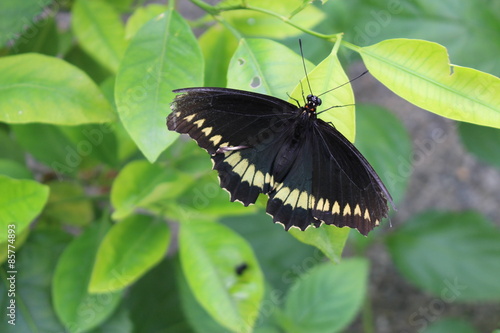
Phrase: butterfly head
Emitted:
{"points": [[312, 103]]}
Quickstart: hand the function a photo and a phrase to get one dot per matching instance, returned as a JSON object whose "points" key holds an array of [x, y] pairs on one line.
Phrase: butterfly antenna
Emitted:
{"points": [[304, 64], [357, 77]]}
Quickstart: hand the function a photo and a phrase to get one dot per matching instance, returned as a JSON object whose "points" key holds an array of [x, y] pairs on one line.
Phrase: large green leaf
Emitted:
{"points": [[328, 75], [38, 88], [162, 56], [455, 256], [141, 184], [100, 31], [141, 16], [35, 263], [21, 200], [326, 298], [16, 16], [384, 141], [329, 239], [420, 72], [77, 309], [482, 141], [255, 67], [210, 255], [128, 250]]}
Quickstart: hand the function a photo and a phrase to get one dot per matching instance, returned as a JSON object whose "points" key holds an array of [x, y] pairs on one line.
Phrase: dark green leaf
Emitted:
{"points": [[77, 309], [36, 262], [482, 141], [450, 325], [165, 313], [18, 16], [452, 255], [385, 142], [326, 298]]}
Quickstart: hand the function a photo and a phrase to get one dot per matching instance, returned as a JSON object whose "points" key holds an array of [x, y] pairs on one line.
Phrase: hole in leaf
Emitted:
{"points": [[255, 82]]}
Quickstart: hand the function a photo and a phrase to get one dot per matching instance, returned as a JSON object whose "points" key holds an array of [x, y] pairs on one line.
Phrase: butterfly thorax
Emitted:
{"points": [[312, 103]]}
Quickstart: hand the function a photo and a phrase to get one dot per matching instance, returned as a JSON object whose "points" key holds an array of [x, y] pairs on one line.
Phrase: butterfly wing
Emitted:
{"points": [[347, 191], [241, 131], [329, 181]]}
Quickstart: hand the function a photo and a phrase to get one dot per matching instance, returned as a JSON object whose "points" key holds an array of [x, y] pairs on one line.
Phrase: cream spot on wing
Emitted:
{"points": [[189, 118], [347, 210], [303, 200], [336, 208], [249, 174], [199, 123], [258, 179], [207, 131], [293, 197], [327, 205], [320, 204], [377, 222], [357, 210], [177, 114], [241, 167], [283, 193], [312, 201], [233, 159], [367, 214], [216, 139]]}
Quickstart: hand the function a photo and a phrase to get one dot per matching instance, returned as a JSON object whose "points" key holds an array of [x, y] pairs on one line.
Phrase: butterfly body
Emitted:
{"points": [[261, 144]]}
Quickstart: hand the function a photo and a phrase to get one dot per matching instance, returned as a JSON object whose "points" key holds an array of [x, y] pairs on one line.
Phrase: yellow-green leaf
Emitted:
{"points": [[420, 72]]}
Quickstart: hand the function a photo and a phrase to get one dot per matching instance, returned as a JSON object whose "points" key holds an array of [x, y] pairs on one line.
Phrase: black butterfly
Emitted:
{"points": [[262, 144]]}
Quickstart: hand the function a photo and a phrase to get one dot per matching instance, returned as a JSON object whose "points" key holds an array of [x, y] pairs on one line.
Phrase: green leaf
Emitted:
{"points": [[455, 256], [254, 68], [205, 199], [76, 308], [14, 169], [100, 31], [384, 141], [280, 264], [38, 88], [128, 250], [35, 263], [481, 141], [218, 45], [18, 241], [420, 72], [328, 75], [140, 16], [68, 204], [198, 318], [16, 16], [162, 56], [41, 38], [165, 313], [450, 325], [21, 201], [328, 238], [252, 23], [326, 298], [210, 254], [140, 184]]}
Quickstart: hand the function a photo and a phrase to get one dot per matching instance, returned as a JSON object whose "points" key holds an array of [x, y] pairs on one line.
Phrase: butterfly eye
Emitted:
{"points": [[318, 101]]}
